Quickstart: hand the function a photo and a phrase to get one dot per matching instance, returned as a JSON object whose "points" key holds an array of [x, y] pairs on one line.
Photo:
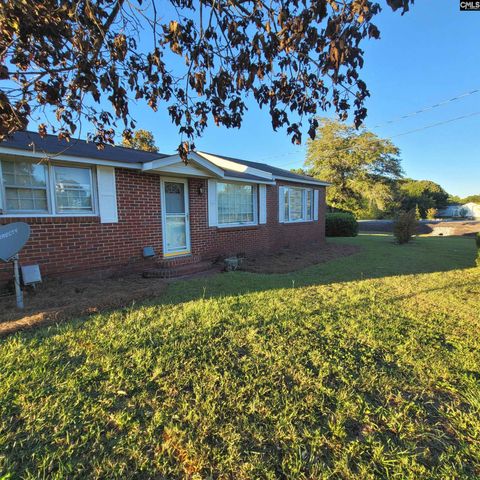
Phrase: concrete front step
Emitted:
{"points": [[177, 271]]}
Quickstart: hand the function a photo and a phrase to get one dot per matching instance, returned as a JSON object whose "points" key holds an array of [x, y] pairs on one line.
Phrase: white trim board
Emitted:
{"points": [[193, 158], [52, 157], [236, 166], [298, 180]]}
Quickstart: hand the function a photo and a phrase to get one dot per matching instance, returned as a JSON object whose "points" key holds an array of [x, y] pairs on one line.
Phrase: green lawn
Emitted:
{"points": [[364, 367]]}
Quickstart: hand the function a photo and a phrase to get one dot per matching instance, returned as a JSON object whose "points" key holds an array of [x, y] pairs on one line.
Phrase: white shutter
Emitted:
{"points": [[281, 204], [212, 203], [262, 197], [315, 204], [107, 194]]}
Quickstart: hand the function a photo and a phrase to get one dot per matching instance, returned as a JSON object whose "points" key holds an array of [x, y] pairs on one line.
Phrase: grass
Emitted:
{"points": [[365, 367]]}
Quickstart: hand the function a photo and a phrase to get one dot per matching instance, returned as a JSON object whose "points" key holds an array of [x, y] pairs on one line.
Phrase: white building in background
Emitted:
{"points": [[473, 209], [468, 210]]}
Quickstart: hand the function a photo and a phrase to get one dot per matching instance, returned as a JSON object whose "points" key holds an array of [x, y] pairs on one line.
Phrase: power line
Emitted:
{"points": [[395, 119], [426, 127], [436, 124], [430, 107]]}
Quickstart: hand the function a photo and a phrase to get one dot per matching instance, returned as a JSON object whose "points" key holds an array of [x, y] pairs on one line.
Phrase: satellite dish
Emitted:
{"points": [[12, 239]]}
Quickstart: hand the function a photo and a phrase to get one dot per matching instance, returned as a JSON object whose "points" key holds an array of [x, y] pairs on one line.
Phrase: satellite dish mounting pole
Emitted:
{"points": [[18, 289]]}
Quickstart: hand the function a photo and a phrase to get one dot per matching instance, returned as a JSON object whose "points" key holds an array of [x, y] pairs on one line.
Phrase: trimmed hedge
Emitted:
{"points": [[341, 225]]}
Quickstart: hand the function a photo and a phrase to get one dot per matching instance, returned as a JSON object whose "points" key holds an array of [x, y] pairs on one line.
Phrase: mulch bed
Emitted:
{"points": [[56, 300], [289, 259]]}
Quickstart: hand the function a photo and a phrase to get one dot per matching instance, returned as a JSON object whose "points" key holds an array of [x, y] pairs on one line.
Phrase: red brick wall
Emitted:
{"points": [[212, 242], [69, 245]]}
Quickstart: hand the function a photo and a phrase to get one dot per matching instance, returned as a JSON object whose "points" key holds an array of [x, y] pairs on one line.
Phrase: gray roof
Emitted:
{"points": [[275, 171], [50, 144], [245, 176]]}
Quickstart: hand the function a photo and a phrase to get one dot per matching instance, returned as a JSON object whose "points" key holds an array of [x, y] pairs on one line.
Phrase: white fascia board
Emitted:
{"points": [[246, 180], [236, 166], [192, 157], [299, 180], [68, 158]]}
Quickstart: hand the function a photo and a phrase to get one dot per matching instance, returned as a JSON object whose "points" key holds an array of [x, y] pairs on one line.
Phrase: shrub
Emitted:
{"points": [[341, 225], [404, 226], [477, 239], [432, 213]]}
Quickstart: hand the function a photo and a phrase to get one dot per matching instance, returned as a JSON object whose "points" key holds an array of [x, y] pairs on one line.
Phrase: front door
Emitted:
{"points": [[176, 224]]}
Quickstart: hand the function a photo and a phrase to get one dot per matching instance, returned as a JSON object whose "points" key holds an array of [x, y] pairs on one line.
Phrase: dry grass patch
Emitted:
{"points": [[56, 300]]}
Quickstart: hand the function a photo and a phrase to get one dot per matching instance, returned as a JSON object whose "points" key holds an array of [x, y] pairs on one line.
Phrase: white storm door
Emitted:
{"points": [[175, 215]]}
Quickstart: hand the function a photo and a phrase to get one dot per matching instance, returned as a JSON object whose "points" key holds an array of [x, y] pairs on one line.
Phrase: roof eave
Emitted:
{"points": [[239, 167], [68, 158], [301, 180], [193, 157]]}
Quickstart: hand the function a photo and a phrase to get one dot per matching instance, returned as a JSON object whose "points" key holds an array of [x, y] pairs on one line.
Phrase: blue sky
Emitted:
{"points": [[428, 55]]}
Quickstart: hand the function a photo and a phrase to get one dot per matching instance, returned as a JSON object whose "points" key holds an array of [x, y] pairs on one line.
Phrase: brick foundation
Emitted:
{"points": [[80, 245]]}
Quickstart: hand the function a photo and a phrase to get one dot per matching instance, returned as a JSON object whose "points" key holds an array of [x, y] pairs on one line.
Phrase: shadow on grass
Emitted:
{"points": [[379, 257]]}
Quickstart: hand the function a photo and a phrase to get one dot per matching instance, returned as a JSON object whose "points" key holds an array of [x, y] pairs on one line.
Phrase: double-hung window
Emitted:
{"points": [[25, 187], [297, 204], [37, 188], [236, 204], [73, 189]]}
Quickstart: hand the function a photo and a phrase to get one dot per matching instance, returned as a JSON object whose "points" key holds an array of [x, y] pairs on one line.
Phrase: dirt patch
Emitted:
{"points": [[434, 227], [289, 260], [458, 228], [56, 300]]}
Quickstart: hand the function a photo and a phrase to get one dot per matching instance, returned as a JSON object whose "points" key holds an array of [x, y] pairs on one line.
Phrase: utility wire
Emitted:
{"points": [[402, 117], [426, 127], [430, 107], [436, 124]]}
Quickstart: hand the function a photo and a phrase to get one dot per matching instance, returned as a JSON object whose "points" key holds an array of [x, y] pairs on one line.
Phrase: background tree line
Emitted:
{"points": [[366, 174]]}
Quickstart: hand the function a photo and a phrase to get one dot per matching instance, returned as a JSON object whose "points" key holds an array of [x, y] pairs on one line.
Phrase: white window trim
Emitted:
{"points": [[304, 204], [255, 207], [51, 202]]}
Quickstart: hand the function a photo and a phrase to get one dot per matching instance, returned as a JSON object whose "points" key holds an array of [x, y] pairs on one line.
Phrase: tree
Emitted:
{"points": [[472, 199], [432, 213], [362, 167], [198, 60], [418, 213], [422, 193], [300, 171], [141, 140]]}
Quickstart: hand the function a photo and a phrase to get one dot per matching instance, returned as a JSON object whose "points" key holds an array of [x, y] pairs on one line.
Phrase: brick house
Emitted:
{"points": [[96, 210]]}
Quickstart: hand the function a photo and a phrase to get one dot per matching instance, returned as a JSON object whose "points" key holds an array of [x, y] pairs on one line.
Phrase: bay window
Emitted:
{"points": [[29, 187], [236, 204], [297, 204]]}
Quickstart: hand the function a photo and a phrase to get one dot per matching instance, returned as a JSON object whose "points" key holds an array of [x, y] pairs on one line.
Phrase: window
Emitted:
{"points": [[298, 204], [73, 189], [25, 186], [236, 204], [36, 188]]}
